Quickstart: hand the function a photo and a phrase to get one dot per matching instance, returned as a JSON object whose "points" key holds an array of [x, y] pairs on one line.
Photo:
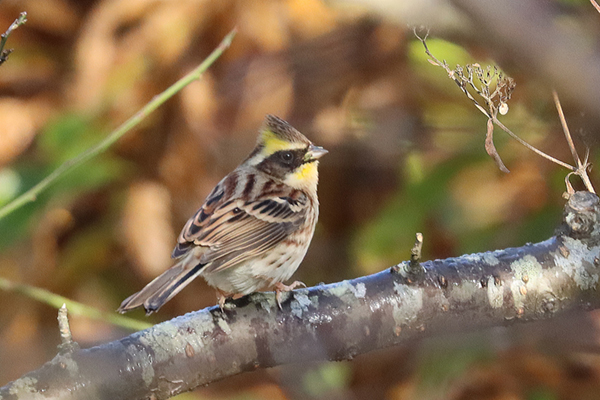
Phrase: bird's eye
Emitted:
{"points": [[286, 156]]}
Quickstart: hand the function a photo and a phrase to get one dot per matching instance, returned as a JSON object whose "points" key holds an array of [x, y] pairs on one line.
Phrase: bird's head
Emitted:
{"points": [[284, 153]]}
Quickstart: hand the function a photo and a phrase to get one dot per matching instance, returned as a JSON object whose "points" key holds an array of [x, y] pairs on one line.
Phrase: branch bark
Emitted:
{"points": [[338, 321]]}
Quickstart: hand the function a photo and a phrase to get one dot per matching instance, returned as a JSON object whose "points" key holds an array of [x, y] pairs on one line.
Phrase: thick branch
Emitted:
{"points": [[338, 321]]}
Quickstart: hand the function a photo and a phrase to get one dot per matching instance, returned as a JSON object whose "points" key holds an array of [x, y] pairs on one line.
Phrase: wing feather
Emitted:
{"points": [[233, 231]]}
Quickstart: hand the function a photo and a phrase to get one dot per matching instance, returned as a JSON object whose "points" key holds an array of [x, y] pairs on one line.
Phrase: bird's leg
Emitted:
{"points": [[281, 288], [221, 297]]}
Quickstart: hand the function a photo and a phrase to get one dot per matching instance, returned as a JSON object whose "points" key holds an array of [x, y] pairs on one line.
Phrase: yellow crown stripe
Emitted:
{"points": [[272, 143]]}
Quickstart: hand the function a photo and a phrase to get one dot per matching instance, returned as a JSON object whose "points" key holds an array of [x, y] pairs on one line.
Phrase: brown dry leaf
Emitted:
{"points": [[492, 380], [97, 50], [331, 123], [45, 247], [268, 88], [311, 18], [22, 342], [123, 40], [538, 369], [92, 293], [170, 29], [269, 391], [405, 389], [378, 94], [184, 168], [263, 22], [491, 149], [21, 330], [94, 56], [199, 104], [147, 227], [127, 88], [30, 66], [55, 16], [18, 128]]}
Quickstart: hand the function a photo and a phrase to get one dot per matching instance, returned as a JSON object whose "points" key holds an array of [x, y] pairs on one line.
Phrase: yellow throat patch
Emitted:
{"points": [[304, 177]]}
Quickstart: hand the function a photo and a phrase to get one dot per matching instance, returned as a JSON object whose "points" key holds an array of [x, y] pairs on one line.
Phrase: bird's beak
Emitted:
{"points": [[315, 152]]}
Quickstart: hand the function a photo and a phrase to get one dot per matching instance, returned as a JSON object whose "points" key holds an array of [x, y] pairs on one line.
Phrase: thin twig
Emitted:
{"points": [[4, 37], [566, 130], [66, 338], [486, 78], [115, 135], [582, 168], [530, 147], [415, 252], [67, 344]]}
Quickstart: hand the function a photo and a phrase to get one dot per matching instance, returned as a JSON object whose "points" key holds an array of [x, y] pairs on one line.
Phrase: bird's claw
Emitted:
{"points": [[281, 288]]}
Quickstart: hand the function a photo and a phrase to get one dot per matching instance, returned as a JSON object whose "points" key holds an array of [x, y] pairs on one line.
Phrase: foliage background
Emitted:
{"points": [[406, 155]]}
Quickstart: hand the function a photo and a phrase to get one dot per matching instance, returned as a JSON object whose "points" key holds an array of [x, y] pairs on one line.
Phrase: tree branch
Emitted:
{"points": [[340, 320]]}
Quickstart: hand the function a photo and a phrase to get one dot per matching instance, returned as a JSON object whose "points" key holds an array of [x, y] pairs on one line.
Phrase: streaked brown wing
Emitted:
{"points": [[234, 231], [199, 221]]}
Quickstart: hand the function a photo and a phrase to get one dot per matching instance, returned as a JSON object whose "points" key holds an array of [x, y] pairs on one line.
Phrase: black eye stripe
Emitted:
{"points": [[293, 158], [275, 165]]}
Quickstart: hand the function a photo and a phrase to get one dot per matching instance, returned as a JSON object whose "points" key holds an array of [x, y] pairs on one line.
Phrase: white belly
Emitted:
{"points": [[277, 266]]}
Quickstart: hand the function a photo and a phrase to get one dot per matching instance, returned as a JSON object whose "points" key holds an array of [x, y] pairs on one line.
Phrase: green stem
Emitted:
{"points": [[115, 135], [74, 307]]}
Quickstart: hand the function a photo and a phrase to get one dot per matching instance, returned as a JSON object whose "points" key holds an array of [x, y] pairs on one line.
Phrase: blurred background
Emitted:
{"points": [[406, 155]]}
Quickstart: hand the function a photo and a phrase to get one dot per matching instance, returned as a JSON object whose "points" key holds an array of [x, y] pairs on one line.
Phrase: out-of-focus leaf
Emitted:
{"points": [[445, 360], [542, 394], [63, 139], [66, 137], [16, 224], [326, 378], [10, 184]]}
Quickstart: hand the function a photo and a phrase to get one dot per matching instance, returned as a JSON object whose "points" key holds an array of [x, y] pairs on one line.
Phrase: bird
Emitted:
{"points": [[254, 228]]}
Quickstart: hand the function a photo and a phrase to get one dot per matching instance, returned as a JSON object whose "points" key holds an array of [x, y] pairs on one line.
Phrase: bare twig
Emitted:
{"points": [[530, 147], [582, 168], [67, 345], [4, 37], [495, 100], [415, 252], [416, 269], [66, 337]]}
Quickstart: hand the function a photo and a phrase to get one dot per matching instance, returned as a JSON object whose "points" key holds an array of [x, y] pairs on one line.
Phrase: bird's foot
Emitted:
{"points": [[281, 288], [222, 298]]}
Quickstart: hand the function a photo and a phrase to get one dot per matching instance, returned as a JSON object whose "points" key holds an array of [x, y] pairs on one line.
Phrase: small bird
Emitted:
{"points": [[253, 229]]}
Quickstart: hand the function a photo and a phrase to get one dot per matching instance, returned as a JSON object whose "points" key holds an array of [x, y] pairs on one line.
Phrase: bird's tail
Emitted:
{"points": [[162, 288]]}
